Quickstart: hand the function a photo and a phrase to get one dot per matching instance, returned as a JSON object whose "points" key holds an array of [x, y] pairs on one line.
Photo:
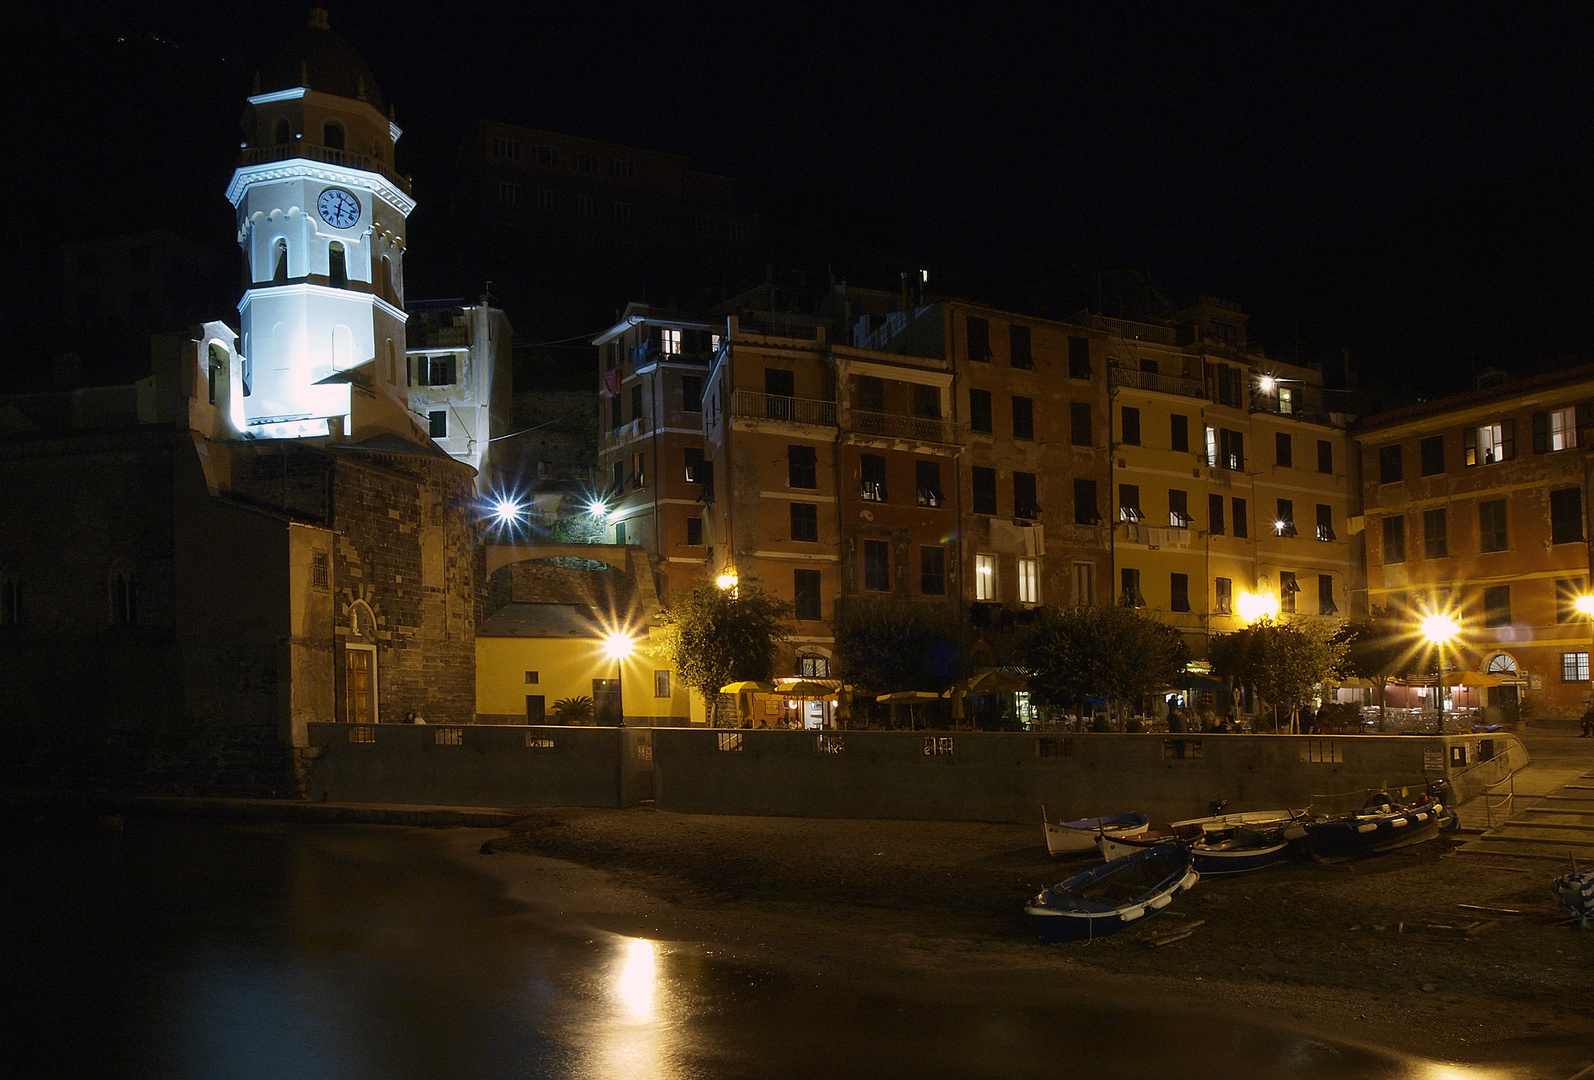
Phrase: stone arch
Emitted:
{"points": [[284, 132], [337, 266], [362, 622], [278, 260]]}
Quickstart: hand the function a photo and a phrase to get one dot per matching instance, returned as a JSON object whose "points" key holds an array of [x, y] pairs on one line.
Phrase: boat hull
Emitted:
{"points": [[1355, 836], [1076, 837], [1114, 895], [1218, 859]]}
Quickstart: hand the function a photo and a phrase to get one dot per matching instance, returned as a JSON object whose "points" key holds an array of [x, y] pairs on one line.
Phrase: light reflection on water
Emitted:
{"points": [[191, 950]]}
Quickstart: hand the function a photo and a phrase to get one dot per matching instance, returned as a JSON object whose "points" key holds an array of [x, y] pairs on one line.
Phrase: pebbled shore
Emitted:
{"points": [[1379, 950]]}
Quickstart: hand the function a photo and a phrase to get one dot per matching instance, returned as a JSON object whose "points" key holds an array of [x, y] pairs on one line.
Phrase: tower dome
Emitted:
{"points": [[315, 57]]}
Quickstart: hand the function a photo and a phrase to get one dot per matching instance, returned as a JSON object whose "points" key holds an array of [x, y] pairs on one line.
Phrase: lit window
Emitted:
{"points": [[1563, 429], [670, 341], [985, 577], [1029, 585], [1574, 667]]}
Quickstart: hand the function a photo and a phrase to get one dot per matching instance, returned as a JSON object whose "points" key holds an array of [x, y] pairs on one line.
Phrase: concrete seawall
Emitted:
{"points": [[988, 776], [481, 765]]}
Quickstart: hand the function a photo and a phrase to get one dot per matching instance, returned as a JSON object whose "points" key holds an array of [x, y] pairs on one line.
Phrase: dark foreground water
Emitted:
{"points": [[196, 950]]}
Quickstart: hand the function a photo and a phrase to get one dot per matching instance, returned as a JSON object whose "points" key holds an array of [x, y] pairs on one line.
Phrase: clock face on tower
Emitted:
{"points": [[339, 208]]}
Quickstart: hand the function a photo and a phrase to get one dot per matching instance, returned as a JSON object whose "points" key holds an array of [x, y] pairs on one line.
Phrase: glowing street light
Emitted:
{"points": [[506, 511], [618, 646], [1253, 607], [728, 581], [1440, 628], [1267, 383], [598, 509]]}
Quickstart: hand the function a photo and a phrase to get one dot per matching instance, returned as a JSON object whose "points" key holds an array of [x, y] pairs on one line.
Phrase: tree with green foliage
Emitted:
{"points": [[887, 643], [1283, 662], [1112, 653], [1381, 648], [715, 636]]}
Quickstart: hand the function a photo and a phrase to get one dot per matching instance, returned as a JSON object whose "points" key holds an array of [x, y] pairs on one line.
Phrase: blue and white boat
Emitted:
{"points": [[1074, 837], [1575, 893], [1113, 895], [1383, 825], [1216, 852]]}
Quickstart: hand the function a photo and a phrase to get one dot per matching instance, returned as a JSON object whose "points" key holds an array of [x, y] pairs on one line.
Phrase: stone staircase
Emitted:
{"points": [[1549, 813]]}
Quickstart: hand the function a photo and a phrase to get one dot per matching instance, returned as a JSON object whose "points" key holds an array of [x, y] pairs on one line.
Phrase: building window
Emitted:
{"points": [[979, 339], [1566, 516], [1178, 592], [1179, 509], [694, 532], [436, 370], [1325, 523], [1018, 347], [804, 522], [1129, 594], [1228, 384], [932, 571], [584, 162], [814, 667], [876, 565], [1283, 449], [1432, 452], [984, 481], [437, 424], [1084, 583], [985, 577], [508, 193], [506, 148], [332, 135], [980, 411], [636, 401], [1556, 430], [1086, 512], [1489, 443], [320, 570], [1435, 536], [1395, 539], [873, 469], [1497, 605], [1078, 358], [1242, 527], [1225, 449], [871, 393], [1223, 595], [1567, 590], [1023, 418], [1284, 522], [337, 266], [1574, 667], [692, 393], [547, 199], [1389, 465], [1325, 456], [1029, 581], [1179, 432], [639, 472], [1129, 503], [1215, 524], [926, 401], [1492, 525], [1079, 424], [619, 476], [802, 467], [1130, 426], [1325, 595], [927, 478], [694, 463], [1026, 503], [1288, 590], [805, 594]]}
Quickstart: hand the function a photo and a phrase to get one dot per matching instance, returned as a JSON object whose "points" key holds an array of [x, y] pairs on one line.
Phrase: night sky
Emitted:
{"points": [[1406, 182]]}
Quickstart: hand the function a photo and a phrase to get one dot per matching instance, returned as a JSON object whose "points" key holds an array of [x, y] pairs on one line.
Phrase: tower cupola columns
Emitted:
{"points": [[321, 221]]}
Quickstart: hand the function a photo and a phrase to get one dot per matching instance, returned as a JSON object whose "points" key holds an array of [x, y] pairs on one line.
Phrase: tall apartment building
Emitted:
{"points": [[986, 460], [1233, 477], [458, 376], [1476, 506]]}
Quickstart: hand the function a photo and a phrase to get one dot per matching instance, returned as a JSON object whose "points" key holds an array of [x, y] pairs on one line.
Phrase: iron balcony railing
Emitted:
{"points": [[262, 155], [1153, 380], [750, 405], [892, 426]]}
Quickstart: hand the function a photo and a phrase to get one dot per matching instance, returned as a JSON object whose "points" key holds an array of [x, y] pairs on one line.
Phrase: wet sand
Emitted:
{"points": [[1379, 952]]}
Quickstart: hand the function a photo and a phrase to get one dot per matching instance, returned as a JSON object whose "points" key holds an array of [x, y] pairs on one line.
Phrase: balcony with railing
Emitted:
{"points": [[348, 159], [924, 429], [751, 405], [1307, 403], [1153, 380]]}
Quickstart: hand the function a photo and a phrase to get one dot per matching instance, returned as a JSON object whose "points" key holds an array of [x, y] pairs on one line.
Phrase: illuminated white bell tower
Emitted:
{"points": [[321, 218]]}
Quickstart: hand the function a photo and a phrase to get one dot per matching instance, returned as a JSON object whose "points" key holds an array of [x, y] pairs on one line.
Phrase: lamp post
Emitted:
{"points": [[1585, 607], [618, 646], [1439, 629]]}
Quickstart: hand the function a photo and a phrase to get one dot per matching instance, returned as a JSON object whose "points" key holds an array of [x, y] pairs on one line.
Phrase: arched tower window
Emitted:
{"points": [[123, 589], [283, 133], [279, 261], [332, 135], [215, 365], [337, 266]]}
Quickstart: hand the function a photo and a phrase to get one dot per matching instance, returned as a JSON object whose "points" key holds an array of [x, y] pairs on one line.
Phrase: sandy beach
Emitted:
{"points": [[1422, 950]]}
